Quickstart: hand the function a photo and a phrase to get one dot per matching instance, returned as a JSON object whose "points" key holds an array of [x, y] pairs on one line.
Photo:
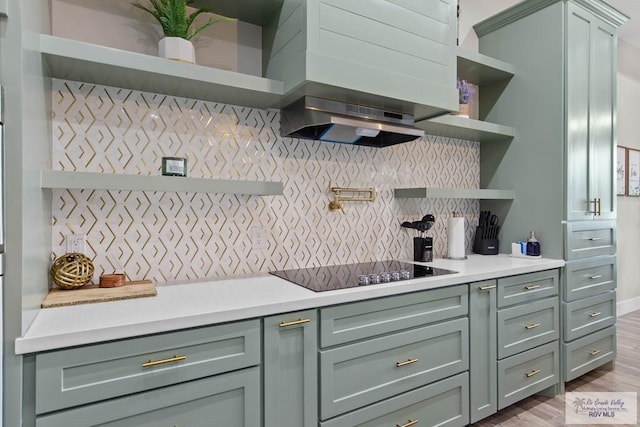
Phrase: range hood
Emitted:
{"points": [[333, 121]]}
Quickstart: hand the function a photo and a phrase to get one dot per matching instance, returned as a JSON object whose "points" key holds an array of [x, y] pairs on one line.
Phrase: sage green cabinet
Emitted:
{"points": [[231, 399], [563, 105], [483, 379], [290, 370]]}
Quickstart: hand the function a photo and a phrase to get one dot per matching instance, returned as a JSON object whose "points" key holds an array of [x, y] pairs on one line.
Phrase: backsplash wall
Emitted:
{"points": [[167, 237]]}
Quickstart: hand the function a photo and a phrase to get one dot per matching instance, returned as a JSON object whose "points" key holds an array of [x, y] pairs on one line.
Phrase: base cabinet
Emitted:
{"points": [[290, 370]]}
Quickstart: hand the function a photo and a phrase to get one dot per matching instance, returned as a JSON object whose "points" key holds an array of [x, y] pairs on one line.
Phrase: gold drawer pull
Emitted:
{"points": [[594, 314], [486, 288], [532, 373], [530, 287], [294, 322], [405, 363], [531, 325], [594, 239], [595, 351], [597, 276], [409, 423], [151, 363]]}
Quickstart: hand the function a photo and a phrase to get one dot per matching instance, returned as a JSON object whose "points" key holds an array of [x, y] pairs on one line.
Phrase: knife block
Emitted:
{"points": [[485, 246]]}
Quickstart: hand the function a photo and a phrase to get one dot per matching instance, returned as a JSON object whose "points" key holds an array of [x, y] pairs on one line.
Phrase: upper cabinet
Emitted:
{"points": [[562, 103]]}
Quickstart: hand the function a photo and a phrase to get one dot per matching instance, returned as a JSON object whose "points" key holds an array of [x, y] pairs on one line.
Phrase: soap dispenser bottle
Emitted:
{"points": [[533, 246]]}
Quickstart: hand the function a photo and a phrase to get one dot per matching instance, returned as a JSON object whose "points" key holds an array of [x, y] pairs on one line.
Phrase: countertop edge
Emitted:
{"points": [[42, 337]]}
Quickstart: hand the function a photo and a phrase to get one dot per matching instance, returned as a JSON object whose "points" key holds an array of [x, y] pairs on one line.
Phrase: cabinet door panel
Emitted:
{"points": [[483, 343], [290, 370], [231, 399], [577, 83], [588, 315]]}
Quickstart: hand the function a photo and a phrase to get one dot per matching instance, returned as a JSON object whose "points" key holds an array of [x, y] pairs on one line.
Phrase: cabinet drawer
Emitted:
{"points": [[363, 373], [590, 277], [444, 403], [527, 373], [587, 239], [527, 287], [585, 354], [526, 326], [231, 399], [589, 315], [366, 319], [88, 374]]}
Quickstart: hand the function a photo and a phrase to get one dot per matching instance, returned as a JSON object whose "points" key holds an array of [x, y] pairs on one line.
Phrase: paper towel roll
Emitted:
{"points": [[455, 237]]}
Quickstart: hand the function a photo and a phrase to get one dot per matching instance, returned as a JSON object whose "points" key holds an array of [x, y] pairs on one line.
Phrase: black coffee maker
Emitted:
{"points": [[422, 245]]}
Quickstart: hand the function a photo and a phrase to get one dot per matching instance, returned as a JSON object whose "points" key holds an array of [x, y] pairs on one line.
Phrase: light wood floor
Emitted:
{"points": [[540, 411]]}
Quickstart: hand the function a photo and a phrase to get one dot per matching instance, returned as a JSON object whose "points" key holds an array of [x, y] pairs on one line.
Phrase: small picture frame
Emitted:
{"points": [[174, 166], [621, 171], [633, 172]]}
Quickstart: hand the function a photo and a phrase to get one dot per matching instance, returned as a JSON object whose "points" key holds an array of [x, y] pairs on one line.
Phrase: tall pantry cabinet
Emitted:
{"points": [[562, 101]]}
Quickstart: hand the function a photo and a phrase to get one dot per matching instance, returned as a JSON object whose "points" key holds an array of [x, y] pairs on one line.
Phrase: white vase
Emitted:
{"points": [[177, 49]]}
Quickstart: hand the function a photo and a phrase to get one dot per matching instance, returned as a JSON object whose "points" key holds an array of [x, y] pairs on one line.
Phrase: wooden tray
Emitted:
{"points": [[92, 293]]}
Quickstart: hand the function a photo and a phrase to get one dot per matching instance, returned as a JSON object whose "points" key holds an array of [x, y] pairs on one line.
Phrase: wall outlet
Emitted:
{"points": [[259, 238], [76, 243]]}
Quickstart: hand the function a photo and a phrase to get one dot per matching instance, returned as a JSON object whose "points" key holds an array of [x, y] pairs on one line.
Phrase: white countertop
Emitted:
{"points": [[235, 298]]}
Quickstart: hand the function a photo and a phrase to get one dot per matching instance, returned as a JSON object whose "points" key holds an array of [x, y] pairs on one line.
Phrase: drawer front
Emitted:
{"points": [[527, 373], [92, 373], [585, 239], [527, 287], [366, 372], [526, 326], [366, 319], [589, 277], [586, 354], [231, 399], [444, 403], [589, 315]]}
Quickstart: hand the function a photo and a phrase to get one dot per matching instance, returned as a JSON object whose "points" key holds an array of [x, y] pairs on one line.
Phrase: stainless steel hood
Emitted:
{"points": [[333, 121]]}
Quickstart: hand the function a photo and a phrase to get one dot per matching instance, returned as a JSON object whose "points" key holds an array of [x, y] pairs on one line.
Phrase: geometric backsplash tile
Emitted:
{"points": [[173, 236]]}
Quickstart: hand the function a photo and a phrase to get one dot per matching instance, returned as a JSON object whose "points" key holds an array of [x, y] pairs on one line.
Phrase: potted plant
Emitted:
{"points": [[178, 27], [465, 91]]}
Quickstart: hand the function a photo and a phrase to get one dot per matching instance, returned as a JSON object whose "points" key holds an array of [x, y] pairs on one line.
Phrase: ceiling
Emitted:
{"points": [[630, 30]]}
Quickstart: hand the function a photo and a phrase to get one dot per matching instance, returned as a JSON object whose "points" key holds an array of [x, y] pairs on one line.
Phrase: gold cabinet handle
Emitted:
{"points": [[409, 423], [173, 359], [594, 314], [486, 288], [595, 276], [532, 373], [531, 325], [594, 239], [294, 322], [595, 206], [595, 351], [599, 207], [530, 287], [406, 362]]}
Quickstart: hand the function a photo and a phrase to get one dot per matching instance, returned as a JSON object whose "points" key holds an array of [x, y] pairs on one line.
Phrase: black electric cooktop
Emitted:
{"points": [[344, 276]]}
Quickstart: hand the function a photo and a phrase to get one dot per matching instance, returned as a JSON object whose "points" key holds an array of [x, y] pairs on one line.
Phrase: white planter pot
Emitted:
{"points": [[177, 49]]}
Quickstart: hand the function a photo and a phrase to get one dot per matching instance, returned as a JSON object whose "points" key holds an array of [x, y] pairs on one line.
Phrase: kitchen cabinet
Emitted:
{"points": [[290, 370], [562, 157], [514, 340], [483, 376]]}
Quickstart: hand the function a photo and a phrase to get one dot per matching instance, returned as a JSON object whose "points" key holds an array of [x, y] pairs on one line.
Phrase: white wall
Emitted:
{"points": [[474, 11]]}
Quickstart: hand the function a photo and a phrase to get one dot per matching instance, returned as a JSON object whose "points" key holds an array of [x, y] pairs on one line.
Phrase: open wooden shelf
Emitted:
{"points": [[453, 193]]}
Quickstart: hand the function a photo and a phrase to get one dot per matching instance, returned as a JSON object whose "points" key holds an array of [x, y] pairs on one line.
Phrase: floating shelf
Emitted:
{"points": [[463, 128], [118, 182], [85, 62], [481, 69], [453, 193]]}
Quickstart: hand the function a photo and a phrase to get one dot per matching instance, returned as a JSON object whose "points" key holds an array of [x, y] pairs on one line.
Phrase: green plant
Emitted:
{"points": [[172, 16]]}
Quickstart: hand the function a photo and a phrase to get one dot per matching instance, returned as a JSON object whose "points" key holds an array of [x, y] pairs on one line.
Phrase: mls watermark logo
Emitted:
{"points": [[601, 408]]}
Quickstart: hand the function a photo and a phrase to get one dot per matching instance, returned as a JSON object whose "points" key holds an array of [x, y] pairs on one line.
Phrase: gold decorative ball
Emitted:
{"points": [[71, 271]]}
